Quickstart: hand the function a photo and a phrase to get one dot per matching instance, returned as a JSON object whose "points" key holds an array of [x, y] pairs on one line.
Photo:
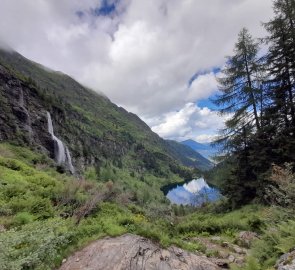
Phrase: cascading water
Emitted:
{"points": [[69, 161], [59, 149], [61, 152]]}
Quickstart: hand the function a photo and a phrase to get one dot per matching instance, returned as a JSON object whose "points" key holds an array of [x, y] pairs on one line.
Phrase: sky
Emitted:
{"points": [[156, 58]]}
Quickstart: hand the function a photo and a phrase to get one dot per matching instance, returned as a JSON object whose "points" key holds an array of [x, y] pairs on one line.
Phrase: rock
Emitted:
{"points": [[2, 228], [225, 244], [240, 261], [216, 238], [245, 238], [64, 260], [223, 254], [134, 252], [231, 258], [238, 249], [286, 262], [222, 263]]}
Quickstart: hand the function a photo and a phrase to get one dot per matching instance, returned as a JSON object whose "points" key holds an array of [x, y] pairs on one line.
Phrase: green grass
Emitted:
{"points": [[36, 198], [39, 208]]}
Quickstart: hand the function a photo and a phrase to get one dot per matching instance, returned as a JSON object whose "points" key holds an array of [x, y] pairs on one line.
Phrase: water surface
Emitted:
{"points": [[195, 193]]}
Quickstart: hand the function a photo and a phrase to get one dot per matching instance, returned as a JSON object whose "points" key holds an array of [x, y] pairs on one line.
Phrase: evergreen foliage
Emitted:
{"points": [[257, 91]]}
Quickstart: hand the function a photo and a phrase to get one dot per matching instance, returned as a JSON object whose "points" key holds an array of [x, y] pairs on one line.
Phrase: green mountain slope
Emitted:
{"points": [[97, 132], [205, 149], [189, 157]]}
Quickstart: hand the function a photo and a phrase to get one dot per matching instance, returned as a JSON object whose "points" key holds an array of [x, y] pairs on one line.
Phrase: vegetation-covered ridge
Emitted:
{"points": [[94, 128], [46, 215]]}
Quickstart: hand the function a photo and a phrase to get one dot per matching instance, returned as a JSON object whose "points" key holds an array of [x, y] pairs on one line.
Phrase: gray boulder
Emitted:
{"points": [[287, 261], [134, 253]]}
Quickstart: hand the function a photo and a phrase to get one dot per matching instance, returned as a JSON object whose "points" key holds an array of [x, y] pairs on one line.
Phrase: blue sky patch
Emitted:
{"points": [[107, 8], [208, 103]]}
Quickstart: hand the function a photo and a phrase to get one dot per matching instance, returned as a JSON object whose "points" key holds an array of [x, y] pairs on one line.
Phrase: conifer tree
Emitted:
{"points": [[241, 91], [281, 63], [241, 86]]}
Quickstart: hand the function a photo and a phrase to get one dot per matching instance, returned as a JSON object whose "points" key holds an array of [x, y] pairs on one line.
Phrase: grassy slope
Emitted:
{"points": [[39, 209]]}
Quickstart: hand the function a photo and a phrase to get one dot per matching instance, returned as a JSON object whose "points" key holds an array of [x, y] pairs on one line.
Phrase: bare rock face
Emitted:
{"points": [[286, 262], [246, 238], [134, 253]]}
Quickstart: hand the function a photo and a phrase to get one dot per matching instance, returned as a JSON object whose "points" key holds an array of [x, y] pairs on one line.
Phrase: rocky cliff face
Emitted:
{"points": [[24, 120], [23, 117]]}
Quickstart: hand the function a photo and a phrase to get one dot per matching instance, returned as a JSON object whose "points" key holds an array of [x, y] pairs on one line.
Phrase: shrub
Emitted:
{"points": [[23, 218], [281, 189], [36, 246]]}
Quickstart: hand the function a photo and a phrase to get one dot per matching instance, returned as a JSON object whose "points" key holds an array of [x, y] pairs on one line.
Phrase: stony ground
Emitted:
{"points": [[134, 253], [137, 253], [222, 253]]}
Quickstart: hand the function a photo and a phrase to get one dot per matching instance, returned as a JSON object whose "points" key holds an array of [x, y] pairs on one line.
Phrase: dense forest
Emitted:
{"points": [[257, 88]]}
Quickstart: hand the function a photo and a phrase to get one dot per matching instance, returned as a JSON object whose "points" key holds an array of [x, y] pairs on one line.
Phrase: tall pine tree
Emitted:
{"points": [[242, 98], [281, 63], [281, 69], [241, 95]]}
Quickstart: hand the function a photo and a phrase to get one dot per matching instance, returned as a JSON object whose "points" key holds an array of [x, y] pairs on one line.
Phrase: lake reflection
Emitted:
{"points": [[195, 192]]}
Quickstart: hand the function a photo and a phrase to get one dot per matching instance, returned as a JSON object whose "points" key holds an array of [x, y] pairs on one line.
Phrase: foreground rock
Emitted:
{"points": [[246, 238], [287, 261], [134, 253]]}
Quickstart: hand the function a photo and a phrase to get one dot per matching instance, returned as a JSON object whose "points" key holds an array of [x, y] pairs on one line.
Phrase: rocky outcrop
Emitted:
{"points": [[21, 113], [287, 261], [245, 238], [134, 253]]}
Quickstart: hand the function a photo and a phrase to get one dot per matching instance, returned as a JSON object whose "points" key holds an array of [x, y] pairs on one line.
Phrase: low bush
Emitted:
{"points": [[23, 218], [36, 246]]}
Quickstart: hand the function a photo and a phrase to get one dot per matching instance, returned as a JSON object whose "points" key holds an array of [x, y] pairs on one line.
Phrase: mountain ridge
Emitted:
{"points": [[205, 149], [102, 130]]}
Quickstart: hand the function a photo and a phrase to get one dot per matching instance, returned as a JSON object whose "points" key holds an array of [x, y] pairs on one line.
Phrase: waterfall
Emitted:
{"points": [[69, 161], [61, 152]]}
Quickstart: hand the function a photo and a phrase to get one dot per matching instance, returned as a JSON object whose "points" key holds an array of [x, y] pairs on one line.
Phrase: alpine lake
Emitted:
{"points": [[195, 192]]}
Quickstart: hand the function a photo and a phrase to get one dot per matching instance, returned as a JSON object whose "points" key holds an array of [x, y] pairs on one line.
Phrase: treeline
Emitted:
{"points": [[257, 87]]}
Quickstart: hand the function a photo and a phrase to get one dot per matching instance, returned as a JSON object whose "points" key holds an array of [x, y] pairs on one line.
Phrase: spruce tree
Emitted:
{"points": [[281, 84], [281, 63], [241, 91], [241, 86]]}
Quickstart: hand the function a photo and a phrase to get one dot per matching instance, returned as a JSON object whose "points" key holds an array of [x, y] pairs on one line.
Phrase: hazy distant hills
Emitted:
{"points": [[189, 156], [205, 149]]}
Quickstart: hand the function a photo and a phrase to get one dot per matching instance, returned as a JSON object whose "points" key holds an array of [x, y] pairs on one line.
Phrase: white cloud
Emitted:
{"points": [[143, 56], [191, 122], [202, 87]]}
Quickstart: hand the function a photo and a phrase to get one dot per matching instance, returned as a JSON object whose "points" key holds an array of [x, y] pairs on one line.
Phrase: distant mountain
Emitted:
{"points": [[205, 149], [188, 156]]}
